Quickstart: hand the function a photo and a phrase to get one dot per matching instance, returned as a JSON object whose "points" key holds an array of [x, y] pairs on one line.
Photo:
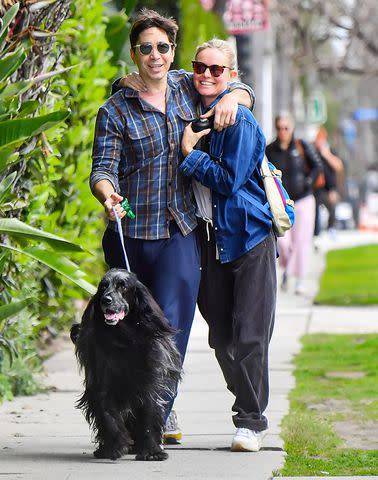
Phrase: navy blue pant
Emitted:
{"points": [[169, 268]]}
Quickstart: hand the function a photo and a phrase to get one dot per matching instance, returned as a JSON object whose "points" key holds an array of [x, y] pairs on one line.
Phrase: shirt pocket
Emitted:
{"points": [[143, 144]]}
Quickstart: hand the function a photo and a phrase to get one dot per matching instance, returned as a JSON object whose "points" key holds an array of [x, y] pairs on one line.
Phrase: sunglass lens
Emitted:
{"points": [[199, 67], [163, 47], [145, 48], [216, 70]]}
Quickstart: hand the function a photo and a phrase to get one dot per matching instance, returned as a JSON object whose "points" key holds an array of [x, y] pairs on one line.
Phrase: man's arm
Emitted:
{"points": [[106, 153], [109, 198], [224, 111]]}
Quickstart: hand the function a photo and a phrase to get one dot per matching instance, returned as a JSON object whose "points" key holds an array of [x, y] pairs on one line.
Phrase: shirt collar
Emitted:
{"points": [[171, 84]]}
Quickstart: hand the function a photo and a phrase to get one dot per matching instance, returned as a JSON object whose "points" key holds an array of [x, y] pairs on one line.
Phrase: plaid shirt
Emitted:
{"points": [[137, 149]]}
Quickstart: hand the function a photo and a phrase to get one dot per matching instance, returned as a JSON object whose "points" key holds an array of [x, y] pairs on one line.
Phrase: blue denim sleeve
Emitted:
{"points": [[243, 150]]}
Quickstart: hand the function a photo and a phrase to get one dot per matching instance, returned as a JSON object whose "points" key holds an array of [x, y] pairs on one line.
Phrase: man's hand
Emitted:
{"points": [[114, 201], [224, 112], [190, 139], [133, 80]]}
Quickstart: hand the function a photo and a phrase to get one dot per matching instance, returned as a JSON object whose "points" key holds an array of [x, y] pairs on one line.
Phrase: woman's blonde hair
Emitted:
{"points": [[224, 47]]}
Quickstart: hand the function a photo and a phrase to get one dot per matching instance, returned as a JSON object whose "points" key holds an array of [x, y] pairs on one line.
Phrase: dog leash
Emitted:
{"points": [[130, 214]]}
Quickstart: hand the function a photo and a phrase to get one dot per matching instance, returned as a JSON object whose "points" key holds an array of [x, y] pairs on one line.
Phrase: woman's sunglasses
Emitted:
{"points": [[146, 48], [215, 70]]}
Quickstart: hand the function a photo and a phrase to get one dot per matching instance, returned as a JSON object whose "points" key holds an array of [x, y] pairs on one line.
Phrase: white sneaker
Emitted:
{"points": [[172, 434], [299, 288], [246, 440]]}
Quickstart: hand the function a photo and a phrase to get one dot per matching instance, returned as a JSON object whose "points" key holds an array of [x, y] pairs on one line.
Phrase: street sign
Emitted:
{"points": [[246, 16], [208, 4], [316, 108], [366, 114]]}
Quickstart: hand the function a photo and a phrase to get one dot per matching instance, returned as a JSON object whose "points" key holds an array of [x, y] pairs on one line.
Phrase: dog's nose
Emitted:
{"points": [[107, 299]]}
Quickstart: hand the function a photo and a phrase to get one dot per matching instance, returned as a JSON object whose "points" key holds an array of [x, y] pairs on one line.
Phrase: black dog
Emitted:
{"points": [[126, 348]]}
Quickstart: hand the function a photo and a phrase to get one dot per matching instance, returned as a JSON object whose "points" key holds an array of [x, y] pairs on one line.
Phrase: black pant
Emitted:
{"points": [[238, 301]]}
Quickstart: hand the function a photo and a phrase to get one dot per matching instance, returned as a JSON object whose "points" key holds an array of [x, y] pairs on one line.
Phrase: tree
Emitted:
{"points": [[337, 36]]}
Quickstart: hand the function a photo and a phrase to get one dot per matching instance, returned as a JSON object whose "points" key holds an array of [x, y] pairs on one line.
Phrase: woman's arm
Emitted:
{"points": [[243, 149]]}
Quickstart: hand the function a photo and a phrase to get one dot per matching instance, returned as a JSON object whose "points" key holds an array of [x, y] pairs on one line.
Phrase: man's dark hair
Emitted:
{"points": [[148, 19]]}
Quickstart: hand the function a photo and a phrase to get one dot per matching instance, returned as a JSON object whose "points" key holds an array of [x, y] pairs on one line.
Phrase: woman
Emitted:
{"points": [[238, 281], [300, 167]]}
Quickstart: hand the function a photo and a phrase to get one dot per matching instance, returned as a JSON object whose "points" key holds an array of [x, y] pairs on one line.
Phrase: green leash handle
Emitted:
{"points": [[127, 207]]}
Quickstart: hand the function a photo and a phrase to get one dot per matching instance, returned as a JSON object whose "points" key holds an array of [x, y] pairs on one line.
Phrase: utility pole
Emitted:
{"points": [[255, 62]]}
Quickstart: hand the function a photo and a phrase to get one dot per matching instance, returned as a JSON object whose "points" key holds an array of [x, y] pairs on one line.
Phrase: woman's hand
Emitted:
{"points": [[114, 201], [190, 139], [224, 112], [133, 80]]}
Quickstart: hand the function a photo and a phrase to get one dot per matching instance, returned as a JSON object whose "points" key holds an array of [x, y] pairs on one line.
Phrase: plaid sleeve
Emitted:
{"points": [[107, 147], [242, 86]]}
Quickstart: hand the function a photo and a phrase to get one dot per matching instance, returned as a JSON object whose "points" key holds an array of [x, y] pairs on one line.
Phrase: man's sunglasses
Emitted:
{"points": [[282, 128], [215, 70], [146, 48]]}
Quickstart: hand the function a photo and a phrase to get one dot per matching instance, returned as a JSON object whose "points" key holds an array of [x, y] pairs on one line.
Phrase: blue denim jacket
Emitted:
{"points": [[241, 217]]}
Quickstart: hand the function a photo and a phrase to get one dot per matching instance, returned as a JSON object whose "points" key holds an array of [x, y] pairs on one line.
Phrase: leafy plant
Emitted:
{"points": [[31, 121]]}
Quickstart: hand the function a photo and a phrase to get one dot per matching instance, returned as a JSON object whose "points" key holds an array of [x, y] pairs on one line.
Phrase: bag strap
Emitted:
{"points": [[264, 169], [264, 208]]}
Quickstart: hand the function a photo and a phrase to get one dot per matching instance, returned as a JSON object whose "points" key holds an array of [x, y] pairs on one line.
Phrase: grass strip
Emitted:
{"points": [[350, 277], [336, 383]]}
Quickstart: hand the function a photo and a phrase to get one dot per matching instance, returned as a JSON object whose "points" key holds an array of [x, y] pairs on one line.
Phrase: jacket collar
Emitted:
{"points": [[206, 109]]}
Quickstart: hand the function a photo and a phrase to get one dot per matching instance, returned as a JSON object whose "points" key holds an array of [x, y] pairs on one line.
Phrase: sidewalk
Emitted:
{"points": [[45, 437]]}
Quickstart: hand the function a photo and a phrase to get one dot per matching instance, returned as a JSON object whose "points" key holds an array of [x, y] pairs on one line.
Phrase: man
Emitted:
{"points": [[136, 154]]}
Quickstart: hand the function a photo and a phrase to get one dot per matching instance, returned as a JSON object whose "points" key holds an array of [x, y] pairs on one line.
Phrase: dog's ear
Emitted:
{"points": [[85, 319], [148, 310], [88, 313], [144, 301]]}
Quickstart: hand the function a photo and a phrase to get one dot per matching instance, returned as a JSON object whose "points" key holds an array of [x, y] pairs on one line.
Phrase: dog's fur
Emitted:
{"points": [[126, 348]]}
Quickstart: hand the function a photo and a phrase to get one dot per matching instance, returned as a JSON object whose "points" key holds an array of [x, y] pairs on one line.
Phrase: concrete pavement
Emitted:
{"points": [[45, 437]]}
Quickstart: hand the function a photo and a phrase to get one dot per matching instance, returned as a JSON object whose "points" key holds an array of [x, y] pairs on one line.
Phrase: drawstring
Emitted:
{"points": [[208, 223]]}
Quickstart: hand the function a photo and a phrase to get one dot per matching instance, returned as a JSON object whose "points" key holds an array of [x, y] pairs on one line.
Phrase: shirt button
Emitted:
{"points": [[215, 228], [221, 249], [214, 206]]}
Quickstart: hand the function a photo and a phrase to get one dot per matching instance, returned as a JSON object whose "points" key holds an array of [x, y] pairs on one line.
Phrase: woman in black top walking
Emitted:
{"points": [[301, 167]]}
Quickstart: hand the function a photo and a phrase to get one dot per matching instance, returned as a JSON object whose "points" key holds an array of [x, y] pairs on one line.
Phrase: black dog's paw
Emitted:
{"points": [[74, 332], [111, 453], [158, 456]]}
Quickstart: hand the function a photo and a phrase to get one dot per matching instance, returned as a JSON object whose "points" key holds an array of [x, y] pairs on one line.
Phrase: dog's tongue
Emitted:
{"points": [[115, 316]]}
